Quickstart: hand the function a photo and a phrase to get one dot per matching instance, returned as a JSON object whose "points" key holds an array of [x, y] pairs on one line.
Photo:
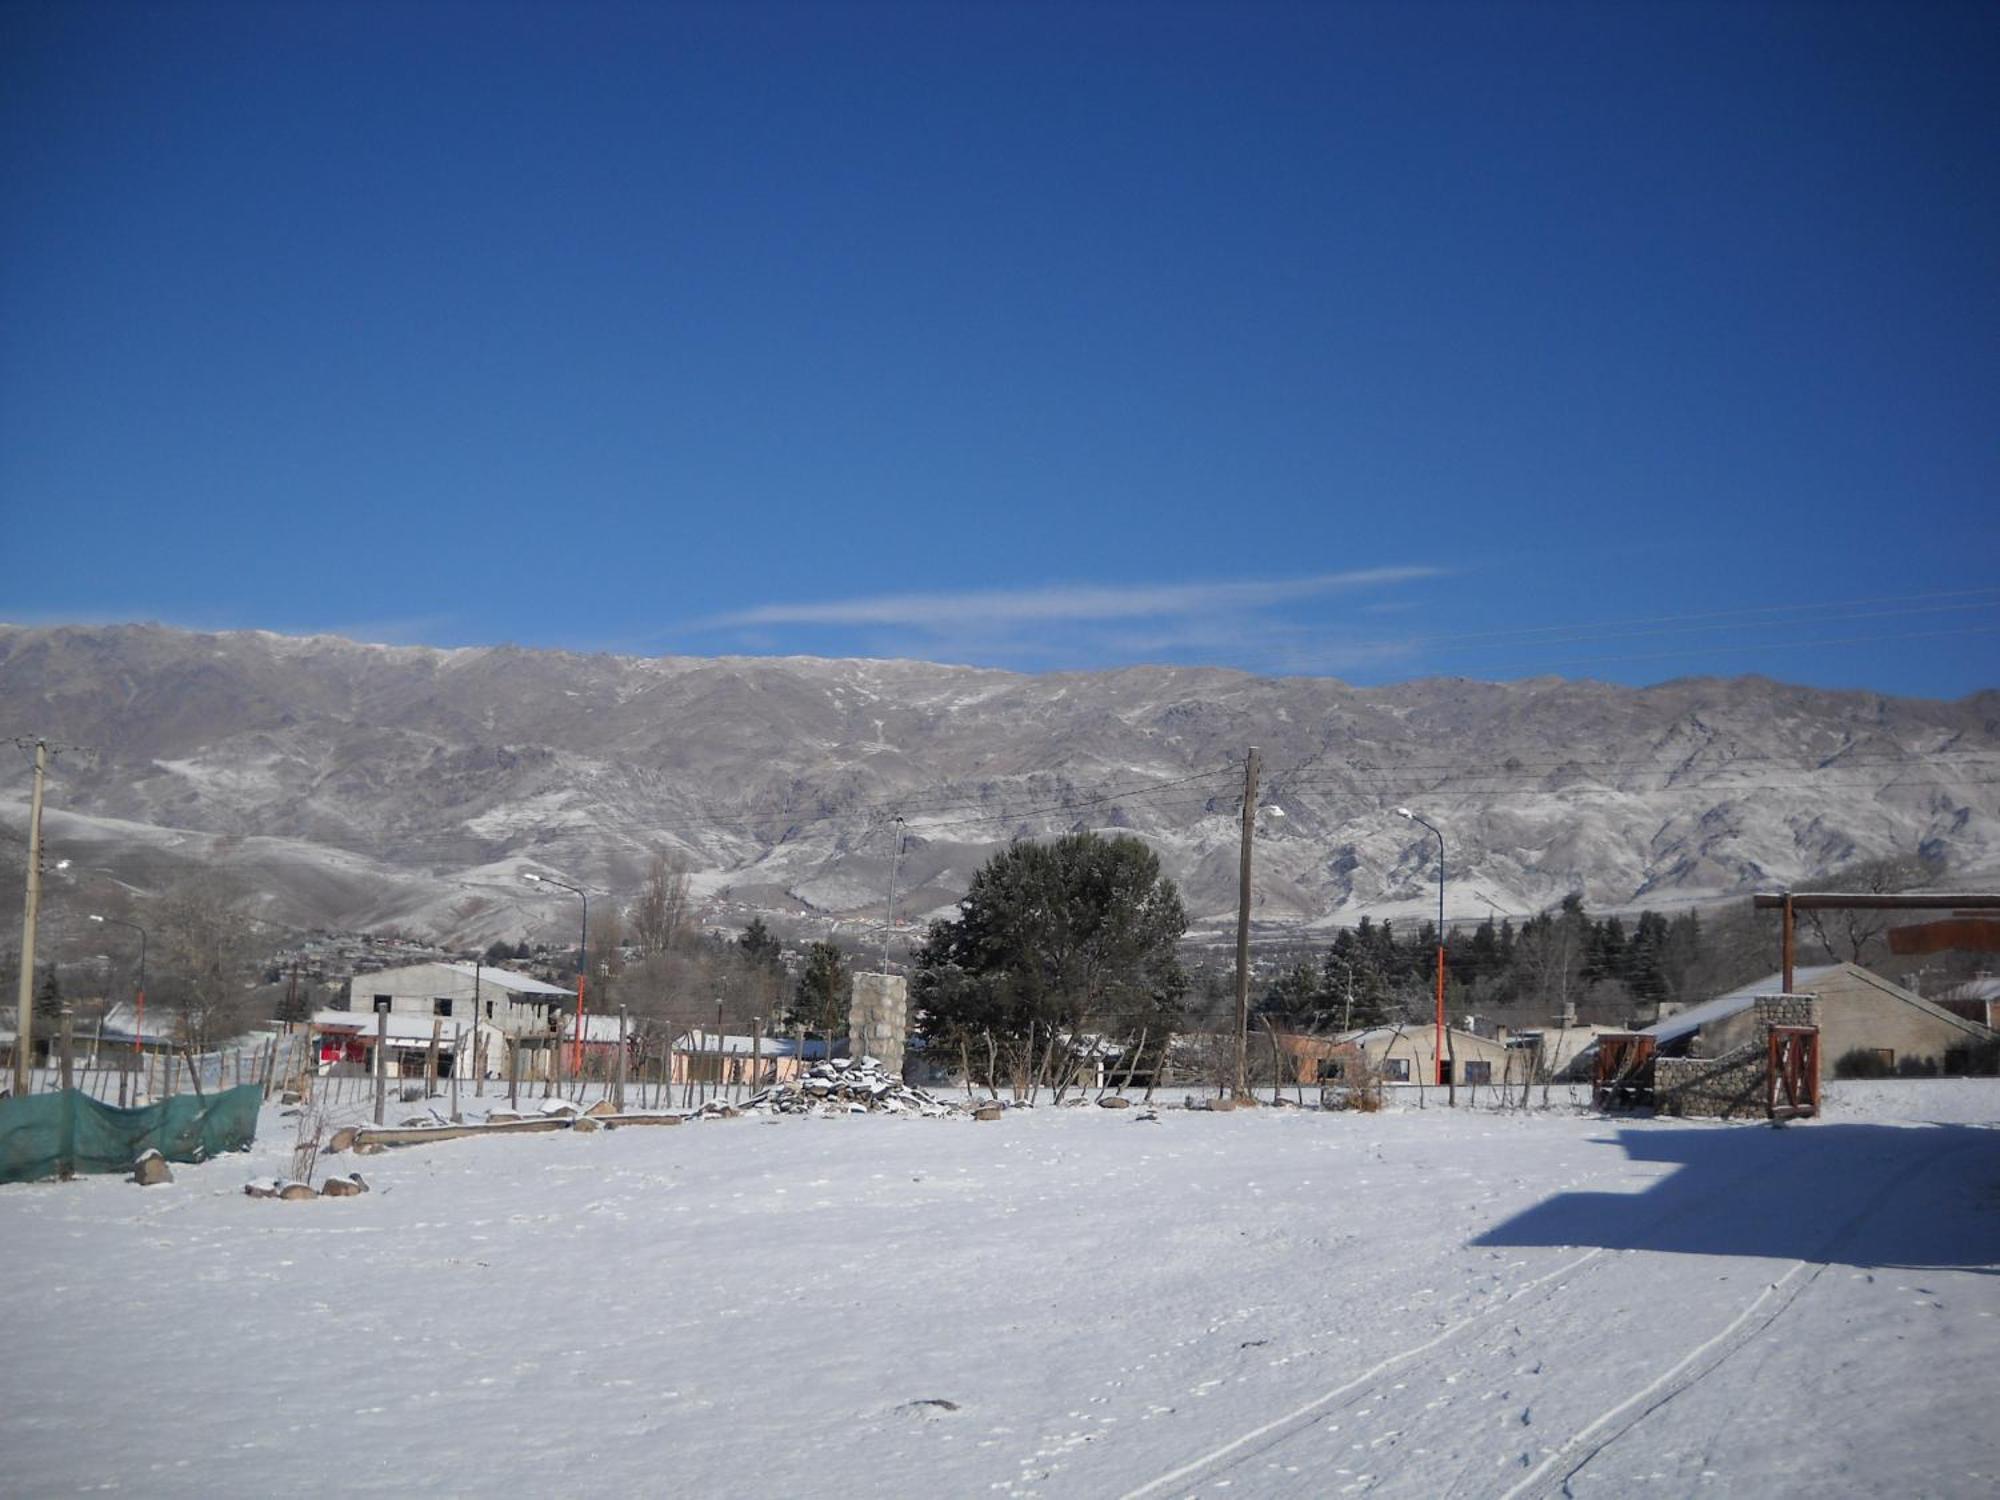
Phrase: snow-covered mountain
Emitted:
{"points": [[360, 785]]}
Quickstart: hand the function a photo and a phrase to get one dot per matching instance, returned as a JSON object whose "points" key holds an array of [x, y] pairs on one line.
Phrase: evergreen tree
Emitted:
{"points": [[819, 1000], [759, 947], [49, 996], [1078, 934]]}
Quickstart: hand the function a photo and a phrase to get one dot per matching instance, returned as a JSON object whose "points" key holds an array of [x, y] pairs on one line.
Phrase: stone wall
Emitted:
{"points": [[878, 1020], [1736, 1084]]}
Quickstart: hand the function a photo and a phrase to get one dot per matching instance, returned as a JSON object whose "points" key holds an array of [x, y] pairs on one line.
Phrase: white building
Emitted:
{"points": [[514, 1003]]}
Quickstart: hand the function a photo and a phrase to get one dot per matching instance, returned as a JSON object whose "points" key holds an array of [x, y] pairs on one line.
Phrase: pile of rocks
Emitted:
{"points": [[849, 1086]]}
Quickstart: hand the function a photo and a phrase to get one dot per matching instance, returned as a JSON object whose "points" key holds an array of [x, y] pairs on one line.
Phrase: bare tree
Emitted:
{"points": [[1852, 935], [661, 910], [203, 941]]}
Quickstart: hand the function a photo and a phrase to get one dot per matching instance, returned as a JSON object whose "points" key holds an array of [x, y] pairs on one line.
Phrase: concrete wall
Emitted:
{"points": [[414, 989], [1417, 1048]]}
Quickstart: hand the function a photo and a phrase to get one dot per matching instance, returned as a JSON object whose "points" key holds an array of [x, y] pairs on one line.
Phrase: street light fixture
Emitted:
{"points": [[139, 1031], [1404, 812], [582, 950]]}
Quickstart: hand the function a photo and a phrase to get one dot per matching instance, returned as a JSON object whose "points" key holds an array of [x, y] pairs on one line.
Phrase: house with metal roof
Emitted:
{"points": [[1859, 1010]]}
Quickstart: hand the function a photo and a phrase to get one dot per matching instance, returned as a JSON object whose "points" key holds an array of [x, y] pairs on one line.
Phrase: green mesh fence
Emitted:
{"points": [[45, 1134]]}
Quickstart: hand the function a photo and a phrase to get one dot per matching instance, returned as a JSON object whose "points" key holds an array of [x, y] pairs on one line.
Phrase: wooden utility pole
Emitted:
{"points": [[1251, 766], [381, 1065], [24, 1014], [619, 1102]]}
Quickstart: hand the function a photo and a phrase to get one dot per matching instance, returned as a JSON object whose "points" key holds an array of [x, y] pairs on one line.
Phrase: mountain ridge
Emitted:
{"points": [[411, 785]]}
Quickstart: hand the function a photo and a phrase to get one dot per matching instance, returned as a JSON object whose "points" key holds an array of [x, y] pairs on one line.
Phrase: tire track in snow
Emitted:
{"points": [[1696, 1366], [1280, 1427], [1301, 1418]]}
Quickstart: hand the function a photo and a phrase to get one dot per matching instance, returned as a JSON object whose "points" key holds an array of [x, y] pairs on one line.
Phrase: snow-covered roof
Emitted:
{"points": [[1722, 1007], [122, 1021], [1985, 987], [507, 979]]}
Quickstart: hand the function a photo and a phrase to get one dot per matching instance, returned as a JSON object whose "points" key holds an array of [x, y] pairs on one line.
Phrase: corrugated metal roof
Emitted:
{"points": [[1724, 1006], [507, 979]]}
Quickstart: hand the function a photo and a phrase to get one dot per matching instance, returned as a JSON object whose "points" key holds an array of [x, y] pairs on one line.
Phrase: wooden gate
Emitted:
{"points": [[1791, 1085], [1624, 1075]]}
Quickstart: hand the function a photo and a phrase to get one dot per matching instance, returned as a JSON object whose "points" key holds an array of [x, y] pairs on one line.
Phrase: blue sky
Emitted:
{"points": [[1620, 341]]}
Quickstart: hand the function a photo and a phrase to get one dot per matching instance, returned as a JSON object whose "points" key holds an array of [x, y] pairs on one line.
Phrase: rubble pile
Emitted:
{"points": [[849, 1086]]}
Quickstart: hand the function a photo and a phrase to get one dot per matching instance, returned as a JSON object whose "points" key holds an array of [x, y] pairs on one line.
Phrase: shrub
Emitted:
{"points": [[1973, 1060], [1862, 1062]]}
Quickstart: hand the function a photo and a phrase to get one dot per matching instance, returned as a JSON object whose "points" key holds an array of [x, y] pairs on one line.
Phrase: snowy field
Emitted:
{"points": [[1064, 1303]]}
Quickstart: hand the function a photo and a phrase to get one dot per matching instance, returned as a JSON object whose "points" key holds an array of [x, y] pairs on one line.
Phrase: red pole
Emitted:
{"points": [[1441, 1063]]}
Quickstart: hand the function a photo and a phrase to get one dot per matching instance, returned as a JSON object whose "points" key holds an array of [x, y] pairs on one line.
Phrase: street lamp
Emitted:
{"points": [[139, 1031], [1404, 812], [582, 950]]}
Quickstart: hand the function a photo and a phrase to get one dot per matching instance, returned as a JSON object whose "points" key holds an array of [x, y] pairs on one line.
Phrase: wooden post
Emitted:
{"points": [[194, 1074], [1250, 768], [514, 1073], [66, 1039], [756, 1053], [618, 1102], [458, 1063], [479, 1051], [1787, 950], [124, 1076], [431, 1059], [381, 1065]]}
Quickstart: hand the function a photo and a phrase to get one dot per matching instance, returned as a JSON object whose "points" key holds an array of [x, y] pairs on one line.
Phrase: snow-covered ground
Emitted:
{"points": [[1063, 1303]]}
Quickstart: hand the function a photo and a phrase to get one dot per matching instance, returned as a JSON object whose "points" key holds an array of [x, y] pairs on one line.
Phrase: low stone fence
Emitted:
{"points": [[1737, 1084]]}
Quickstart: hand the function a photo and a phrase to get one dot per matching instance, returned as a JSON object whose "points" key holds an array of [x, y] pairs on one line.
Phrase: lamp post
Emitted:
{"points": [[1404, 812], [139, 1032], [582, 950]]}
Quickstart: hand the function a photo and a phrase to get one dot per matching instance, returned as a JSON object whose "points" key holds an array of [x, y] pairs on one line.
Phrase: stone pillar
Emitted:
{"points": [[877, 1020]]}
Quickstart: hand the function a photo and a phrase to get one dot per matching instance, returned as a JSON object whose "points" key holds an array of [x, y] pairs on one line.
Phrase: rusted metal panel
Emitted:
{"points": [[1959, 934]]}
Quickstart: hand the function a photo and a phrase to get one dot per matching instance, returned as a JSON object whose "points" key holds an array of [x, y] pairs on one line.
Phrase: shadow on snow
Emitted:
{"points": [[1859, 1195]]}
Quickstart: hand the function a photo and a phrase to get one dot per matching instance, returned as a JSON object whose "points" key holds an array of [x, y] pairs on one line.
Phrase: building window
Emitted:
{"points": [[1396, 1070], [489, 1010], [440, 1007], [1479, 1072], [385, 1002]]}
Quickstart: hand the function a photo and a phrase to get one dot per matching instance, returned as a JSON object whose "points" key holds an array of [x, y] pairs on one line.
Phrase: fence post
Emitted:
{"points": [[68, 1044], [514, 1073], [619, 1102], [381, 1064]]}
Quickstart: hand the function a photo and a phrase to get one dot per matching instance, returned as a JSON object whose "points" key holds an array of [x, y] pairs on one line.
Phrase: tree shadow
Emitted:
{"points": [[1860, 1195]]}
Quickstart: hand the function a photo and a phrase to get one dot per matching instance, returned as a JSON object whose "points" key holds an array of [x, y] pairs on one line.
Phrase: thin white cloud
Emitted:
{"points": [[1067, 601]]}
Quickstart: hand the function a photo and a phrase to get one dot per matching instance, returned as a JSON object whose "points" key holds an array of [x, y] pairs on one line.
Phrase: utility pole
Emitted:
{"points": [[24, 1022], [1251, 765], [889, 923]]}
